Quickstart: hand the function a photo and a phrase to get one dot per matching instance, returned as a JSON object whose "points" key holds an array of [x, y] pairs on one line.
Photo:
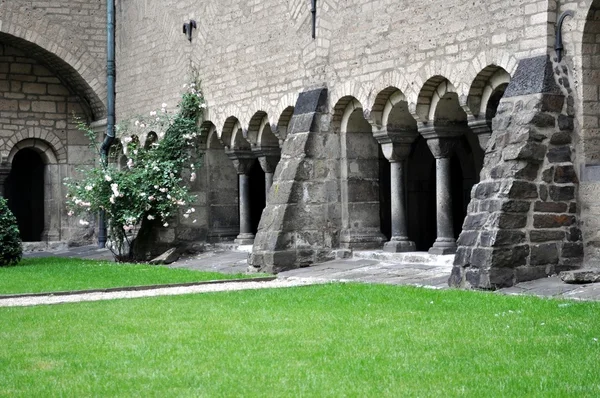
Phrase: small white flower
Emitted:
{"points": [[112, 200], [192, 84], [194, 221], [186, 215], [156, 187], [107, 178], [153, 113], [127, 140], [89, 188], [143, 194], [202, 106], [137, 123], [150, 217], [157, 119], [185, 86], [193, 177], [70, 213], [166, 224], [193, 209], [83, 222], [142, 125], [164, 105], [130, 163]]}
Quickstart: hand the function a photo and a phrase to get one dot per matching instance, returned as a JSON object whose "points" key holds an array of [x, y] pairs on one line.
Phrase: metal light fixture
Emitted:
{"points": [[188, 27]]}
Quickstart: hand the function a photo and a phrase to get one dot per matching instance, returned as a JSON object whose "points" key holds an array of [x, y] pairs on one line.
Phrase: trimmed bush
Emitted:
{"points": [[10, 239]]}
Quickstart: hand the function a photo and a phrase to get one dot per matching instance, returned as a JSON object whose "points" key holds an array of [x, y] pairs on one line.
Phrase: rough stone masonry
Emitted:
{"points": [[402, 125]]}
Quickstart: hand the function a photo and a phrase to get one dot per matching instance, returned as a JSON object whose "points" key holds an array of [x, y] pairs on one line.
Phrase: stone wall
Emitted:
{"points": [[69, 36], [523, 220], [259, 57], [37, 111]]}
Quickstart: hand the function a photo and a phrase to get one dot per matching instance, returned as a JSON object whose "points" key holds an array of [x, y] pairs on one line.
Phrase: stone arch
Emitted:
{"points": [[60, 49], [359, 177], [37, 138], [340, 97], [43, 148], [233, 136], [256, 125], [430, 95], [486, 86], [281, 130], [221, 186]]}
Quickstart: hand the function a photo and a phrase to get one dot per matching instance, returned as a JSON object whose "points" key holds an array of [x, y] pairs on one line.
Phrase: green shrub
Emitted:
{"points": [[10, 240]]}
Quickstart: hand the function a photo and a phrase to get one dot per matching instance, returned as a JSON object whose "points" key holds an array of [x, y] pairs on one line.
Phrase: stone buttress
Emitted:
{"points": [[522, 222]]}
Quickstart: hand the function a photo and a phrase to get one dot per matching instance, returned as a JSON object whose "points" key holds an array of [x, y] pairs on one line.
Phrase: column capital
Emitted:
{"points": [[268, 157], [481, 129], [441, 140], [396, 144], [242, 160]]}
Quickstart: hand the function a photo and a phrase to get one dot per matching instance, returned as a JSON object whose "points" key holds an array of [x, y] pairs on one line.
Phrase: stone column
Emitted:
{"points": [[242, 161], [397, 153], [4, 172], [441, 142]]}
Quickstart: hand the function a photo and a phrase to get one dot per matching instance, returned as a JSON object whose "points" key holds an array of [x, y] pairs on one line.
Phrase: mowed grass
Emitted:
{"points": [[52, 274], [319, 341]]}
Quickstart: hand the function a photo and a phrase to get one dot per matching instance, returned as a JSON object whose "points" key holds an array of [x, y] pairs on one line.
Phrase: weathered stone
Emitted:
{"points": [[546, 235], [552, 220], [533, 75], [559, 154], [168, 257], [590, 275], [467, 238], [550, 207], [510, 221], [485, 190], [574, 234], [502, 237], [548, 175], [515, 206], [560, 138], [565, 123], [565, 175], [475, 221], [529, 273], [522, 190], [543, 192], [571, 250], [544, 254], [562, 193]]}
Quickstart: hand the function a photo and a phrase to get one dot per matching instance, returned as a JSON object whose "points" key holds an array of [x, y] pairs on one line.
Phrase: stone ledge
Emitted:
{"points": [[581, 276]]}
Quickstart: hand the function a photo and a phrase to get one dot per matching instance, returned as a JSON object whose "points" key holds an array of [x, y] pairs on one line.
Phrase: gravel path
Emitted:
{"points": [[169, 291]]}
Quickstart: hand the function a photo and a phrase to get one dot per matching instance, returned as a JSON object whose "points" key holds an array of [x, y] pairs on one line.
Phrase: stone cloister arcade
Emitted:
{"points": [[403, 174]]}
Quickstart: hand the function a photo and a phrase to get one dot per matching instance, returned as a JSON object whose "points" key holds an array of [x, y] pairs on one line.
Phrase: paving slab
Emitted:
{"points": [[420, 269]]}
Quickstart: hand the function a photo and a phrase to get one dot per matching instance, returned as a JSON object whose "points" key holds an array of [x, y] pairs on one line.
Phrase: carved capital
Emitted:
{"points": [[482, 130], [441, 140], [242, 160], [396, 144]]}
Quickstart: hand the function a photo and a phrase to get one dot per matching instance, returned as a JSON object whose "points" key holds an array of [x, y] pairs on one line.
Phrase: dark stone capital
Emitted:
{"points": [[242, 160]]}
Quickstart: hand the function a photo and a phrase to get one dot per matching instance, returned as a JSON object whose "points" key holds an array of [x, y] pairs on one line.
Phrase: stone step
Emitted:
{"points": [[44, 246], [422, 258]]}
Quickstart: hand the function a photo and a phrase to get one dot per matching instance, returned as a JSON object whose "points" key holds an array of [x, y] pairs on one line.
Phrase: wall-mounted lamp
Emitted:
{"points": [[188, 27]]}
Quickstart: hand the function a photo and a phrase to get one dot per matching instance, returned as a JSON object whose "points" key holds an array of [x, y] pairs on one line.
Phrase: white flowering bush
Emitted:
{"points": [[149, 191]]}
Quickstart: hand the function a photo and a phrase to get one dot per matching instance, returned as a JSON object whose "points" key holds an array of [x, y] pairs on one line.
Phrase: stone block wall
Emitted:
{"points": [[37, 110], [523, 221]]}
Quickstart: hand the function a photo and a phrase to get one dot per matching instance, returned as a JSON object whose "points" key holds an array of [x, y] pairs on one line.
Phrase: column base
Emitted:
{"points": [[399, 246], [245, 239], [444, 246]]}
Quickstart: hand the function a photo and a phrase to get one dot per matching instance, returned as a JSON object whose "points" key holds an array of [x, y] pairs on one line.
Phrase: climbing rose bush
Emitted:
{"points": [[10, 240], [149, 189]]}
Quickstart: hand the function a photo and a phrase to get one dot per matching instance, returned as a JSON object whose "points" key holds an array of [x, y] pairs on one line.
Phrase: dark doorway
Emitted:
{"points": [[25, 193], [421, 203], [385, 195], [257, 195]]}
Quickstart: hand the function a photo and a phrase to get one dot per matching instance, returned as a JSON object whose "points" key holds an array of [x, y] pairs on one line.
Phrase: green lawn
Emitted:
{"points": [[329, 340], [52, 274]]}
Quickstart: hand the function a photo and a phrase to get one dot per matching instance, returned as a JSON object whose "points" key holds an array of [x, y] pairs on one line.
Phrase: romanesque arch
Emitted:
{"points": [[359, 177], [58, 48], [33, 188]]}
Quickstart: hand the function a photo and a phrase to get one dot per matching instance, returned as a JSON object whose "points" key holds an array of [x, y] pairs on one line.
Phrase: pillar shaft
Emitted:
{"points": [[246, 236], [399, 242], [445, 242]]}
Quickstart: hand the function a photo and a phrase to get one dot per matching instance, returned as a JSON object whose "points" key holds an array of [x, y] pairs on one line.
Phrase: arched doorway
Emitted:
{"points": [[25, 193], [257, 195]]}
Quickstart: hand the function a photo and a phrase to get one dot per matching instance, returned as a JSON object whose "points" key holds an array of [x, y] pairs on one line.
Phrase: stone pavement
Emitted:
{"points": [[365, 266]]}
